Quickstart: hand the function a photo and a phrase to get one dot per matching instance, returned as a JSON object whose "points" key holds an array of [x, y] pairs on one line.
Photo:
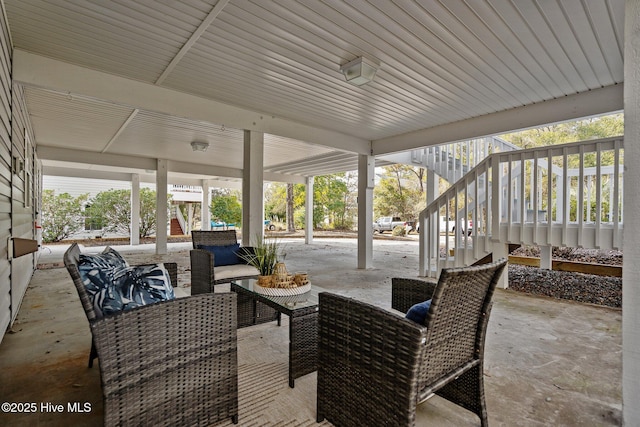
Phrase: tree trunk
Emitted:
{"points": [[290, 224]]}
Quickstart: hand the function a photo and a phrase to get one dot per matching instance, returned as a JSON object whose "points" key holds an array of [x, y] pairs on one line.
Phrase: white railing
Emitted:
{"points": [[185, 188], [562, 195], [453, 161]]}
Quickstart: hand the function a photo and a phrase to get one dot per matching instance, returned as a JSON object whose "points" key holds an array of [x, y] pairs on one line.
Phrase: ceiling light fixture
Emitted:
{"points": [[360, 71], [199, 145]]}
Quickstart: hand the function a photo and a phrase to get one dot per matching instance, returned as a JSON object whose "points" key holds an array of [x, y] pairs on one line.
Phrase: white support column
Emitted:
{"points": [[135, 209], [205, 214], [162, 220], [433, 186], [545, 257], [308, 212], [433, 191], [252, 188], [366, 182], [631, 192], [189, 217]]}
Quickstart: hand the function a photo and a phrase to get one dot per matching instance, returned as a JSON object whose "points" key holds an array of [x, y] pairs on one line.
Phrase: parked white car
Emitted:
{"points": [[387, 223], [449, 225]]}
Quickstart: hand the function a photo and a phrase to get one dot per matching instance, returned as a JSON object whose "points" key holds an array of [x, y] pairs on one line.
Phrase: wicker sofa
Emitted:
{"points": [[166, 363], [375, 366]]}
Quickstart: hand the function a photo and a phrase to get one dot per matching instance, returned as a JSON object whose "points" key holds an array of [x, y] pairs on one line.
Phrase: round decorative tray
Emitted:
{"points": [[281, 292]]}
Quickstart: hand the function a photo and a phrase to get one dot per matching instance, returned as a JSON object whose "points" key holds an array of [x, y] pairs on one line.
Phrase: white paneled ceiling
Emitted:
{"points": [[447, 64]]}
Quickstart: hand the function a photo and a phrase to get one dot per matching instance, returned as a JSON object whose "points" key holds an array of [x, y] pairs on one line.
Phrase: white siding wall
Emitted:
{"points": [[23, 207], [5, 176], [79, 186], [19, 187]]}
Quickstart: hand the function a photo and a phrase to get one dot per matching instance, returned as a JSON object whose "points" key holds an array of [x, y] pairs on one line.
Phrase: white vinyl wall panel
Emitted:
{"points": [[5, 180], [23, 206]]}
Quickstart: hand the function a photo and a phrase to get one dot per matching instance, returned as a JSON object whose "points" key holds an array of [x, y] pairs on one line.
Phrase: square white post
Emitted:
{"points": [[135, 209], [366, 182], [161, 207], [205, 214], [308, 212], [253, 188], [631, 249]]}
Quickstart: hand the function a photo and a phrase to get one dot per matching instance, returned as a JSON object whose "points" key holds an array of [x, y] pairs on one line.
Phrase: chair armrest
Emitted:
{"points": [[202, 275], [407, 292], [172, 269], [170, 360], [368, 363]]}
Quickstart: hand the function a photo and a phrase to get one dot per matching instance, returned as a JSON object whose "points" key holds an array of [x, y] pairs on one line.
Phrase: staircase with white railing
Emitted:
{"points": [[561, 195], [452, 161]]}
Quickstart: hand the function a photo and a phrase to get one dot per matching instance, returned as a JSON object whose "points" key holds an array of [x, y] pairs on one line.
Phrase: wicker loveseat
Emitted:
{"points": [[166, 363], [375, 366]]}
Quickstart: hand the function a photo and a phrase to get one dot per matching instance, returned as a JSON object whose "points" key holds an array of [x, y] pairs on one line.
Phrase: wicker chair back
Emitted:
{"points": [[213, 238], [374, 366]]}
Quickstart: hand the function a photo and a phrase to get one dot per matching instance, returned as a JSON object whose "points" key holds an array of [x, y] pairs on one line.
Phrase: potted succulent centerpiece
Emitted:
{"points": [[264, 256]]}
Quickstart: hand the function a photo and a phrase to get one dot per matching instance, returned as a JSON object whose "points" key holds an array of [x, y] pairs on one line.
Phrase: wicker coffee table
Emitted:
{"points": [[303, 324]]}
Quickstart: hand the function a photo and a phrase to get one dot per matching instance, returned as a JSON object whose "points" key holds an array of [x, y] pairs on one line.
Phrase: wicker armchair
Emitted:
{"points": [[168, 363], [374, 366], [203, 274], [70, 259], [205, 277], [172, 363]]}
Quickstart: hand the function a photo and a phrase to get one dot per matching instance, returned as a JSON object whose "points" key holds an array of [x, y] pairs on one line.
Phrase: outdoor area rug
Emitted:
{"points": [[265, 397]]}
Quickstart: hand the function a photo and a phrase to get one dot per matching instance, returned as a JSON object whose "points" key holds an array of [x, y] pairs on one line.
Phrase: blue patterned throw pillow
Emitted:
{"points": [[418, 312], [224, 255], [97, 273], [138, 286], [113, 286]]}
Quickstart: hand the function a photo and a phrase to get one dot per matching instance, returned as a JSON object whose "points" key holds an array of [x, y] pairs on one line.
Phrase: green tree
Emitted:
{"points": [[112, 210], [275, 200], [580, 130], [225, 206], [334, 199], [62, 215], [291, 226], [148, 224], [400, 192], [332, 203], [560, 133]]}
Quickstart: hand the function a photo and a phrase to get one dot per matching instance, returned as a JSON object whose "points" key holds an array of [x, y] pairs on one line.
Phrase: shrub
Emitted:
{"points": [[398, 230]]}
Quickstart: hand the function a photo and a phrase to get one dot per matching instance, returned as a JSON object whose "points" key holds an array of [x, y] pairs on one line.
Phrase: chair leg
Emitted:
{"points": [[93, 354], [468, 392]]}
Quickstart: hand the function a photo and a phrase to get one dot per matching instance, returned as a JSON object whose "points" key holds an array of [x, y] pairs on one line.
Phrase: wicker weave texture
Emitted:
{"points": [[367, 364], [407, 292], [364, 348], [70, 258], [203, 278], [172, 363], [303, 344], [213, 238]]}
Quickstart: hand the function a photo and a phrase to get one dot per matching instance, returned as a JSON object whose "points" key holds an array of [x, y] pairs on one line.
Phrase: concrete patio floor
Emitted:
{"points": [[547, 362]]}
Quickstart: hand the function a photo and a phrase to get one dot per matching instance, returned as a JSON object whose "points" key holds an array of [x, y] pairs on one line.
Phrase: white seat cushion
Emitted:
{"points": [[231, 271]]}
